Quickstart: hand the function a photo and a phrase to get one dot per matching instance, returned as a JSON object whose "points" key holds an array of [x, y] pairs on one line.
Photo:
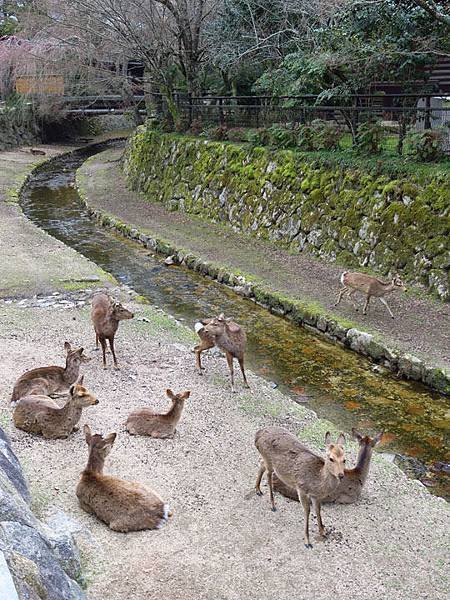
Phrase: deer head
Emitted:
{"points": [[335, 458], [120, 313]]}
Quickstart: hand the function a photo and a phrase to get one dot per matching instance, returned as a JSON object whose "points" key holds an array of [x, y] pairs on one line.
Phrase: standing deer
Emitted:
{"points": [[106, 314], [226, 335], [350, 487], [313, 477], [122, 505], [53, 380], [370, 286], [41, 414], [146, 422]]}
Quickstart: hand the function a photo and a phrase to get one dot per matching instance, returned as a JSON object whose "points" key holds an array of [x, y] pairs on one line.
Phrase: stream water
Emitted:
{"points": [[336, 383]]}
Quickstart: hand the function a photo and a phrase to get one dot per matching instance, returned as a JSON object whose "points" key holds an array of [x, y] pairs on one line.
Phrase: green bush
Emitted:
{"points": [[196, 127], [305, 137], [218, 134], [281, 137], [427, 145], [369, 137], [325, 135]]}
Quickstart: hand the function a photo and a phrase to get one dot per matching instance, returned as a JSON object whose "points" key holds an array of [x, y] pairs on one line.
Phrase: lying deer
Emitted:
{"points": [[106, 314], [226, 335], [50, 381], [370, 286], [146, 422], [313, 477], [41, 414], [350, 487], [123, 505]]}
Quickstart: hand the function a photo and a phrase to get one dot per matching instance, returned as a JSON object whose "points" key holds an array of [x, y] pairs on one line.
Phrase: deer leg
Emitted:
{"points": [[204, 345], [270, 482], [241, 364], [262, 470], [103, 344], [341, 293], [350, 297], [306, 503], [231, 367], [317, 508], [111, 345], [366, 304], [383, 301], [96, 341]]}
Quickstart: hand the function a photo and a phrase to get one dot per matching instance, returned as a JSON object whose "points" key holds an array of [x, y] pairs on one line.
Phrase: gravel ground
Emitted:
{"points": [[421, 326], [223, 541]]}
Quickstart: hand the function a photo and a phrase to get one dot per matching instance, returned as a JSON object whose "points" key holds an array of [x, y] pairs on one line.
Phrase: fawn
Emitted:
{"points": [[122, 505], [226, 335], [53, 380], [370, 286], [106, 314], [146, 422], [313, 477], [41, 414], [350, 487]]}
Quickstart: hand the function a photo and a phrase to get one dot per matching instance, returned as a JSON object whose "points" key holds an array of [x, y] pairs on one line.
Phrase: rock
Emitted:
{"points": [[410, 367], [10, 466], [169, 261], [359, 340], [7, 587]]}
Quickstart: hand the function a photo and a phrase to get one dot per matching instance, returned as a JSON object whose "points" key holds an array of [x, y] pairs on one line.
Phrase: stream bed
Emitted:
{"points": [[336, 383]]}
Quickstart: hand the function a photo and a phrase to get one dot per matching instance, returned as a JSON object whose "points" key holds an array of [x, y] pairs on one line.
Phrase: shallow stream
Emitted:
{"points": [[336, 383]]}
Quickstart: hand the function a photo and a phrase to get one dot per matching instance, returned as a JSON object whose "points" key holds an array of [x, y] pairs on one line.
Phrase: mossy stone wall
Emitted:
{"points": [[340, 214]]}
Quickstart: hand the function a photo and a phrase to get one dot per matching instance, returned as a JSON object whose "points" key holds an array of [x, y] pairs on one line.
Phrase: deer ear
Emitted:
{"points": [[110, 439], [328, 438], [170, 394], [186, 394], [87, 433], [356, 435], [67, 346], [80, 379], [341, 439], [377, 438], [221, 317], [71, 390], [80, 350]]}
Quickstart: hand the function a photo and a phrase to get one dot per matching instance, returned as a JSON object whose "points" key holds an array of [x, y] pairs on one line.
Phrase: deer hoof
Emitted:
{"points": [[259, 493], [309, 546], [274, 509]]}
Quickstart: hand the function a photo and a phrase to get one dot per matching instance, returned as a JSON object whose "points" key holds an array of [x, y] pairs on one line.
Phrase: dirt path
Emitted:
{"points": [[421, 326], [223, 542]]}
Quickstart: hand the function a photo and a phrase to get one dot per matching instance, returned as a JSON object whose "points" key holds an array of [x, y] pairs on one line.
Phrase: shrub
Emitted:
{"points": [[196, 127], [305, 137], [427, 145], [218, 134], [237, 134], [369, 137], [325, 135], [281, 137]]}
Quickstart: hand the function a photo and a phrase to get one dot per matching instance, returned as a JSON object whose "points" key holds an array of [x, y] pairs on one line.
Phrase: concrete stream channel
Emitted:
{"points": [[334, 382]]}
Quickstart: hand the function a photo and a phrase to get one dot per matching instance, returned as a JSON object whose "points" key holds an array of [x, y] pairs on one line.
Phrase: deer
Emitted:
{"points": [[42, 415], [123, 505], [350, 487], [51, 381], [370, 286], [144, 421], [313, 477], [106, 314], [226, 335]]}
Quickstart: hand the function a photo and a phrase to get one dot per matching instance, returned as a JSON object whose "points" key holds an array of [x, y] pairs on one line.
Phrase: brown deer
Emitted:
{"points": [[146, 422], [122, 505], [370, 286], [313, 477], [41, 414], [350, 487], [48, 381], [106, 314], [226, 335]]}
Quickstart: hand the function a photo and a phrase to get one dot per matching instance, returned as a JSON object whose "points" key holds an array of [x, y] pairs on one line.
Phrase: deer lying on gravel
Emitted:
{"points": [[226, 335], [106, 314], [123, 505], [313, 477], [146, 422], [41, 414], [370, 286], [350, 487], [53, 380]]}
